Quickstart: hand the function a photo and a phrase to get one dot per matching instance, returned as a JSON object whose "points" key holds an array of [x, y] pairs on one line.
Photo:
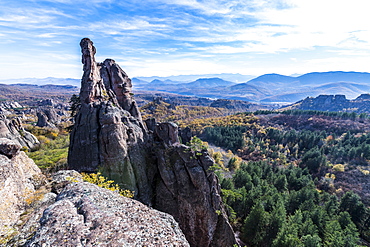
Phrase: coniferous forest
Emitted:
{"points": [[292, 186]]}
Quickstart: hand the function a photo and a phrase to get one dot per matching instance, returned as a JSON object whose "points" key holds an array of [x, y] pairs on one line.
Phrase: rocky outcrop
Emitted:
{"points": [[87, 215], [188, 189], [77, 213], [334, 103], [10, 105], [108, 131], [12, 129], [147, 158], [19, 180], [7, 107], [47, 117]]}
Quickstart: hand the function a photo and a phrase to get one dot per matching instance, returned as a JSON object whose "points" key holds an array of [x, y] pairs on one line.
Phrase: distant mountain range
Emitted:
{"points": [[268, 88], [43, 81], [237, 78]]}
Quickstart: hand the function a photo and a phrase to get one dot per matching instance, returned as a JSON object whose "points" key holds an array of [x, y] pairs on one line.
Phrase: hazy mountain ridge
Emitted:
{"points": [[189, 78], [268, 88], [43, 81], [31, 92]]}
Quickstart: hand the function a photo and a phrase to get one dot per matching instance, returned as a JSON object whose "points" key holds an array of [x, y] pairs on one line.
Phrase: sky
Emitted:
{"points": [[40, 38]]}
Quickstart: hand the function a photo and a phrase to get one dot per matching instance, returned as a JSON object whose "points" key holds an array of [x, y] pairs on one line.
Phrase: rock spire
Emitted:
{"points": [[146, 157]]}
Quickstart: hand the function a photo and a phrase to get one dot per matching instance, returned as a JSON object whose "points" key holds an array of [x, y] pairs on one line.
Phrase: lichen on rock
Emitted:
{"points": [[20, 178], [87, 215]]}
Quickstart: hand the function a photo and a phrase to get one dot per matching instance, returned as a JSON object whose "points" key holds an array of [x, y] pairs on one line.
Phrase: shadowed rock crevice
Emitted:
{"points": [[110, 136]]}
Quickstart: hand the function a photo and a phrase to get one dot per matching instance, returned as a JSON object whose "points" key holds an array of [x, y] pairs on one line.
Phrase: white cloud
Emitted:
{"points": [[190, 36], [117, 26]]}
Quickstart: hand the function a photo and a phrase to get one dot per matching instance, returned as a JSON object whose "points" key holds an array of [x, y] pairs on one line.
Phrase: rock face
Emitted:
{"points": [[147, 158], [19, 179], [47, 117], [12, 129], [108, 132], [87, 215], [83, 214], [7, 107], [189, 191]]}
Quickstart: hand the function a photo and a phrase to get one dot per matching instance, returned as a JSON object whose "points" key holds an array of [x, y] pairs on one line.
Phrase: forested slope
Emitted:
{"points": [[296, 185]]}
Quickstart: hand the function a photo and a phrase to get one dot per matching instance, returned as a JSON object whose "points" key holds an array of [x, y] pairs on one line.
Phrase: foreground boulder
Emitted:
{"points": [[87, 215], [110, 136], [20, 179]]}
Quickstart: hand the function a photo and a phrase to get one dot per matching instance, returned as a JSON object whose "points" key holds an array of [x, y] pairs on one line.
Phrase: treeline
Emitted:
{"points": [[165, 112], [230, 138], [338, 115], [282, 207], [312, 148]]}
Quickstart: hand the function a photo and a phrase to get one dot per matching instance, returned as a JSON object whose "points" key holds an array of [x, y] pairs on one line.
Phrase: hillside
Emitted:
{"points": [[294, 168], [288, 178]]}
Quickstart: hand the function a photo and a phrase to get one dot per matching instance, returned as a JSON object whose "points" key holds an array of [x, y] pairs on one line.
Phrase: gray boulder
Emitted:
{"points": [[87, 215], [47, 117], [20, 178], [9, 148]]}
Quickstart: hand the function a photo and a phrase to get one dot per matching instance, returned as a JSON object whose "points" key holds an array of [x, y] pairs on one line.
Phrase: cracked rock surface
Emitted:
{"points": [[87, 215]]}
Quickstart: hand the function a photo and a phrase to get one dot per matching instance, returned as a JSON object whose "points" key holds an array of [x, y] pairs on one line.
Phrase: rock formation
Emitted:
{"points": [[188, 190], [47, 117], [148, 158], [12, 129], [19, 179], [334, 103], [87, 215], [7, 107], [108, 132], [77, 213]]}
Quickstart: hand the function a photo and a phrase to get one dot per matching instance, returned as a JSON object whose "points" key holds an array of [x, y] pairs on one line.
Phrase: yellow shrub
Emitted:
{"points": [[365, 172], [338, 168], [96, 178]]}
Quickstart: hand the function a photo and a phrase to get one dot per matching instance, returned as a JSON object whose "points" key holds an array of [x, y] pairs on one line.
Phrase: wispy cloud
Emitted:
{"points": [[196, 34]]}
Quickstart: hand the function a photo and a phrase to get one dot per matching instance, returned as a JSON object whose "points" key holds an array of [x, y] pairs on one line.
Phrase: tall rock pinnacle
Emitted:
{"points": [[110, 136], [106, 122], [91, 88]]}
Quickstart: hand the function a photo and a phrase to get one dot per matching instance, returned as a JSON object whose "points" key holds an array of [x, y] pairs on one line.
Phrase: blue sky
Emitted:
{"points": [[40, 38]]}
